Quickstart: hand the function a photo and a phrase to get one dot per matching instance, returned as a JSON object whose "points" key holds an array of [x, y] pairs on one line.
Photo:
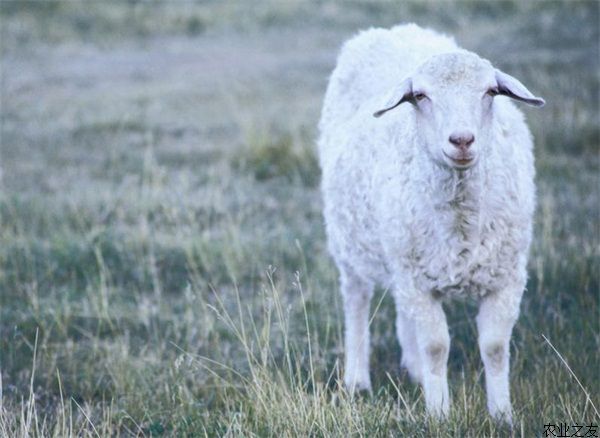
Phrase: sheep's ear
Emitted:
{"points": [[513, 88], [402, 93]]}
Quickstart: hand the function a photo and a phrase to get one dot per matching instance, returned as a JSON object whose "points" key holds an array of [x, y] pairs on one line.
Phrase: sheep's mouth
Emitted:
{"points": [[461, 161]]}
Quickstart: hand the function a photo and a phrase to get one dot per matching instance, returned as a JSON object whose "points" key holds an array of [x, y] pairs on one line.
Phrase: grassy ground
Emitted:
{"points": [[163, 268]]}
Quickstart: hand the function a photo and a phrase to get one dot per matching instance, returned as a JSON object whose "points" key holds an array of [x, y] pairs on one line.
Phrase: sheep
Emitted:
{"points": [[428, 189]]}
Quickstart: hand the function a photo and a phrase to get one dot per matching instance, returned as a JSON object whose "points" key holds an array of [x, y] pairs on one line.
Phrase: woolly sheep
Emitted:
{"points": [[432, 199]]}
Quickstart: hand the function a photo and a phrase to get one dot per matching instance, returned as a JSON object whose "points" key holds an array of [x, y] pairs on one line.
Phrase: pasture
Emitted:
{"points": [[163, 262]]}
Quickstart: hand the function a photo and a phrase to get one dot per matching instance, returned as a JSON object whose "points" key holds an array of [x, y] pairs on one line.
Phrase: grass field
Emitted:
{"points": [[163, 264]]}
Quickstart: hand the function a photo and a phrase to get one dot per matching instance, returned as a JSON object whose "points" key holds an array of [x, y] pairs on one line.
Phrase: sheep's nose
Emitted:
{"points": [[462, 140]]}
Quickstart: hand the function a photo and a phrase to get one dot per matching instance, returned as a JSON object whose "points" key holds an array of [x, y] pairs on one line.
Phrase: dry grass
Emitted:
{"points": [[163, 268]]}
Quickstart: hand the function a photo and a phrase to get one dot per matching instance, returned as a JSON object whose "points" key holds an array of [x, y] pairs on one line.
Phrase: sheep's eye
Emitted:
{"points": [[492, 92], [419, 96]]}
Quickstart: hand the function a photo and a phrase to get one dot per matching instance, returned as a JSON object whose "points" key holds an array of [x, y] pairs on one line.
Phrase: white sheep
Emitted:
{"points": [[433, 200]]}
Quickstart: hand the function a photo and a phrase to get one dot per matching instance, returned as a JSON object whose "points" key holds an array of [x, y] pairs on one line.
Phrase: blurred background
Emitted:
{"points": [[160, 219]]}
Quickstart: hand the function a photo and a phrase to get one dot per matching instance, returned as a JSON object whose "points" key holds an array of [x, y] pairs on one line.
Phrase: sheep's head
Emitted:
{"points": [[453, 99]]}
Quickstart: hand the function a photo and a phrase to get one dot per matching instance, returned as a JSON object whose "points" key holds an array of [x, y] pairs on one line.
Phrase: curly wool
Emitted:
{"points": [[393, 215], [433, 197]]}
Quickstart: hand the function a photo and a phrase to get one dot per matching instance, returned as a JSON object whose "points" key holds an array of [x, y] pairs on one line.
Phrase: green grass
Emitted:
{"points": [[163, 262]]}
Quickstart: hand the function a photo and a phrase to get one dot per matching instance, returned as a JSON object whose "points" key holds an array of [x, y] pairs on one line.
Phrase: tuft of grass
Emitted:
{"points": [[268, 157]]}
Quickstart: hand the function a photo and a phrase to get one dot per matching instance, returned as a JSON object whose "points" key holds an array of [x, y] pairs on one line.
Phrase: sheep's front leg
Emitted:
{"points": [[497, 315], [357, 296], [405, 330], [433, 345]]}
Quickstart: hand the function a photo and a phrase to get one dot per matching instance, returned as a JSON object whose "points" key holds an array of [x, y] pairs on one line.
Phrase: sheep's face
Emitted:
{"points": [[452, 95]]}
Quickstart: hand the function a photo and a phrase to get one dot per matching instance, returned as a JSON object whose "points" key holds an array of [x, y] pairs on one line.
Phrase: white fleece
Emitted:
{"points": [[398, 215]]}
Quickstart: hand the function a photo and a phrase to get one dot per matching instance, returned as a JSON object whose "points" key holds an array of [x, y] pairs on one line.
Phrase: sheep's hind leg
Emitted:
{"points": [[357, 297], [405, 330], [495, 320]]}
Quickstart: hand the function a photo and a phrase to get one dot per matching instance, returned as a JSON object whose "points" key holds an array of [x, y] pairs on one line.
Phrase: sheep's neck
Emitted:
{"points": [[460, 196]]}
